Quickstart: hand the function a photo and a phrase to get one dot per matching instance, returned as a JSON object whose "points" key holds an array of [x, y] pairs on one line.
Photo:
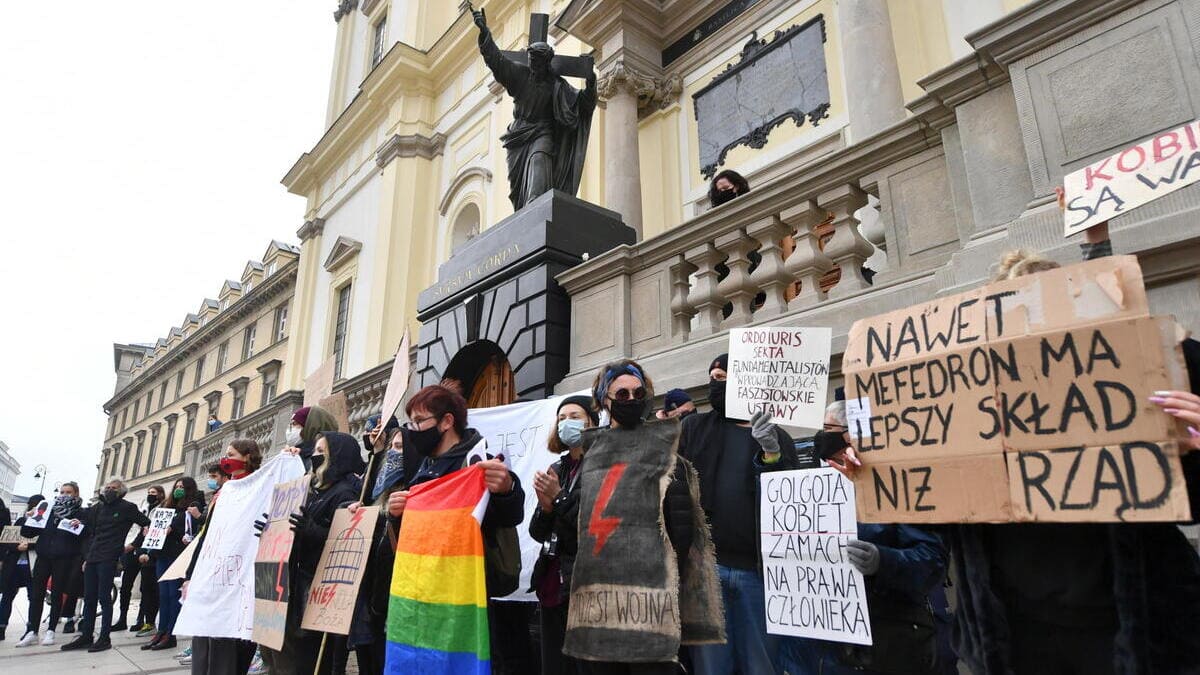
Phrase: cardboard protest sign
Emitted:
{"points": [[1022, 400], [319, 382], [11, 534], [271, 580], [397, 385], [41, 514], [812, 590], [178, 569], [73, 529], [330, 606], [156, 534], [339, 407], [1132, 177], [784, 371], [220, 601]]}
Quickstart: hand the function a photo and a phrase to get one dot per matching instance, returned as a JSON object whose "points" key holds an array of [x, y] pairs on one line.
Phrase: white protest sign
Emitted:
{"points": [[811, 589], [73, 529], [397, 385], [37, 519], [156, 534], [784, 371], [1132, 177], [520, 432], [220, 597]]}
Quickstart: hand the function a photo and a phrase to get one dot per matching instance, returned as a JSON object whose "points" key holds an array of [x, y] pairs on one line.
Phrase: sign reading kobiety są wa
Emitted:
{"points": [[1022, 400]]}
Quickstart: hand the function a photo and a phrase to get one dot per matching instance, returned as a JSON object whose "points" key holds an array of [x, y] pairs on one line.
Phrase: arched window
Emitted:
{"points": [[465, 226]]}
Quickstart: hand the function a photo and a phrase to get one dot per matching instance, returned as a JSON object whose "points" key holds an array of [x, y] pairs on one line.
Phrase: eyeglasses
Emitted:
{"points": [[638, 394], [415, 424]]}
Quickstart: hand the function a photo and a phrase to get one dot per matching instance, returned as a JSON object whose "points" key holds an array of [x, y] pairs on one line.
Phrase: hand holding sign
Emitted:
{"points": [[780, 371]]}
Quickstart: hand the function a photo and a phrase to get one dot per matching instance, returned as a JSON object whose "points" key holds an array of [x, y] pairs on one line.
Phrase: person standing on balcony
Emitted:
{"points": [[726, 187], [729, 455]]}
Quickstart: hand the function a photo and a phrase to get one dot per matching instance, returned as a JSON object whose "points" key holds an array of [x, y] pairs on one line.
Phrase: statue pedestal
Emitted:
{"points": [[496, 296]]}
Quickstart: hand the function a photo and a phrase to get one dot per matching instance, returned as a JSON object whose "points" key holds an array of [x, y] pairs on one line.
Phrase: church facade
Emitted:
{"points": [[894, 147]]}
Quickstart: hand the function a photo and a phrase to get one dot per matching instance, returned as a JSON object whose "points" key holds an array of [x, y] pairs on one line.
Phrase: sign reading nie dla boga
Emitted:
{"points": [[1132, 177], [782, 371], [1021, 400]]}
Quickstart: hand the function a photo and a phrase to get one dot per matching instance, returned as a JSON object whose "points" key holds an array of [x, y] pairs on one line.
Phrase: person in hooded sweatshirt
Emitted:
{"points": [[307, 423], [57, 559], [15, 571], [337, 467], [437, 430]]}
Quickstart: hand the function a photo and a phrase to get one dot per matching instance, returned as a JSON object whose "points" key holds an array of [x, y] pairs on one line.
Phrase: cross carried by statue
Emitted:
{"points": [[539, 32]]}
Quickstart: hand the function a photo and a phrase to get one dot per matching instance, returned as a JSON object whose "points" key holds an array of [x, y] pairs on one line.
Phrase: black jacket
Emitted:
{"points": [[110, 523], [341, 487], [503, 510], [174, 544], [561, 524], [53, 543], [702, 442]]}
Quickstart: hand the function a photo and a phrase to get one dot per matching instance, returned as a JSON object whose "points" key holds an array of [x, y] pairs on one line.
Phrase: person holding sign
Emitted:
{"points": [[187, 502], [730, 455], [57, 561], [1080, 597], [110, 521], [336, 462], [307, 423], [555, 525], [902, 565], [136, 565], [14, 569]]}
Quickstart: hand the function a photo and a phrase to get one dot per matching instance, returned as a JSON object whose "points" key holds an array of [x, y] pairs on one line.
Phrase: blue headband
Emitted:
{"points": [[611, 374]]}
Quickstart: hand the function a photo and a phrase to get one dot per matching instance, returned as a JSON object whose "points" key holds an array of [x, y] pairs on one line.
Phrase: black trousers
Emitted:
{"points": [[611, 668], [1042, 649], [60, 572], [554, 631], [512, 648], [97, 587], [221, 656], [149, 587]]}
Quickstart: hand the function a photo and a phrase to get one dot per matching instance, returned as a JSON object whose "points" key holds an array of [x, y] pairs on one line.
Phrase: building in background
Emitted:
{"points": [[10, 468], [226, 359]]}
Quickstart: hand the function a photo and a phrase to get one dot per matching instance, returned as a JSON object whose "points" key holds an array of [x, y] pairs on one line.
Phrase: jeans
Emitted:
{"points": [[168, 597], [748, 648], [13, 578], [97, 587]]}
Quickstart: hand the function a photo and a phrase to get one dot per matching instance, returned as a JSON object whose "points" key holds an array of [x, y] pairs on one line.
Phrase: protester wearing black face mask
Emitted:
{"points": [[729, 456], [133, 569], [727, 186], [110, 520], [438, 431], [14, 569]]}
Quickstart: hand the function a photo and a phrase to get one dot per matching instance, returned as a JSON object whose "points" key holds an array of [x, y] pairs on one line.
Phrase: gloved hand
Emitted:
{"points": [[864, 556], [763, 431], [261, 525], [299, 519]]}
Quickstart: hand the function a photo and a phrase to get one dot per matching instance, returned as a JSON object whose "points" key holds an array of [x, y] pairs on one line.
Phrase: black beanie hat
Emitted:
{"points": [[584, 402], [721, 362]]}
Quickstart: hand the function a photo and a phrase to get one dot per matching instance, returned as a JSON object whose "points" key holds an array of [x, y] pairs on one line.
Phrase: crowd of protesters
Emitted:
{"points": [[1028, 598]]}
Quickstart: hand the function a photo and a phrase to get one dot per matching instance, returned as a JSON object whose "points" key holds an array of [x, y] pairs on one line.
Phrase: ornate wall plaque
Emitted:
{"points": [[772, 82]]}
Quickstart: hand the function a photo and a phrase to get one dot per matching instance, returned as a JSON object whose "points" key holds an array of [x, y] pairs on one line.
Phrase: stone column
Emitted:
{"points": [[807, 263], [704, 298], [620, 86], [847, 248], [873, 93]]}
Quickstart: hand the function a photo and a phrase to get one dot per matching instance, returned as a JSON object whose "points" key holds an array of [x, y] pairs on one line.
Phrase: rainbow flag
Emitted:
{"points": [[437, 616]]}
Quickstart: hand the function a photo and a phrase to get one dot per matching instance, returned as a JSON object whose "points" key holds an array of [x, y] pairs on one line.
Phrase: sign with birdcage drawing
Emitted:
{"points": [[330, 605]]}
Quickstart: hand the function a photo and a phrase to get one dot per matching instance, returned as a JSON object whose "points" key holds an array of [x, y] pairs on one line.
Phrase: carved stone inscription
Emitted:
{"points": [[773, 82]]}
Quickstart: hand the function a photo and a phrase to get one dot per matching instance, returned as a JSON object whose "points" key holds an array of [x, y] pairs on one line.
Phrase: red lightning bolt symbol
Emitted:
{"points": [[599, 526], [354, 518]]}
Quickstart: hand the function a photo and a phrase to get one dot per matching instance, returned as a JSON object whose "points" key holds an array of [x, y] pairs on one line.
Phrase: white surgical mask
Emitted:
{"points": [[293, 437], [570, 432]]}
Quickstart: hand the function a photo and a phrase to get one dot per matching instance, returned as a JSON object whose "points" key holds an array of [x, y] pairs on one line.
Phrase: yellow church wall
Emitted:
{"points": [[922, 45]]}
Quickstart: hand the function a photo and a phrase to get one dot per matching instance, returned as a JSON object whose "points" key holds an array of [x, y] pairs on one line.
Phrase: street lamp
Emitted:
{"points": [[40, 471]]}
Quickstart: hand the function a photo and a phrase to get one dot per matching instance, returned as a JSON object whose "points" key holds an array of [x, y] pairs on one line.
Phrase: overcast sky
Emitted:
{"points": [[142, 150]]}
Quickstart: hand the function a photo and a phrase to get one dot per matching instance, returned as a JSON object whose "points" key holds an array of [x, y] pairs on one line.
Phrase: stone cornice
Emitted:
{"points": [[273, 364], [344, 7], [653, 93], [281, 282], [239, 383], [368, 6], [344, 250], [311, 228], [1041, 24], [410, 145]]}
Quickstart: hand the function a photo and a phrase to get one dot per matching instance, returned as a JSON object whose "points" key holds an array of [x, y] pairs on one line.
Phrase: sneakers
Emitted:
{"points": [[185, 654], [120, 625], [80, 642], [145, 629], [48, 638], [28, 639], [70, 627], [257, 667]]}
